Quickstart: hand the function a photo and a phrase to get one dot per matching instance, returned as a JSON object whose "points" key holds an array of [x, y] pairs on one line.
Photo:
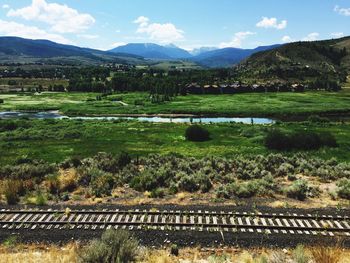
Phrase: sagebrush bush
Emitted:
{"points": [[298, 190], [157, 193], [115, 246], [344, 188], [174, 173], [102, 185], [197, 133], [40, 199], [188, 183]]}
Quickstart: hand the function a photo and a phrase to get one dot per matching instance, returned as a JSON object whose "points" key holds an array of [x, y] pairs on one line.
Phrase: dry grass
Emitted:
{"points": [[29, 254], [68, 180], [329, 255], [53, 254], [158, 257]]}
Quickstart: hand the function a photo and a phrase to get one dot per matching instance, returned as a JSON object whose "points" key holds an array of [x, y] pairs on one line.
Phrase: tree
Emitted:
{"points": [[197, 133]]}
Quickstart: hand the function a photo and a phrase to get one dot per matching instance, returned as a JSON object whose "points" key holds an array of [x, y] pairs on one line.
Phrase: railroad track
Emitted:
{"points": [[263, 223]]}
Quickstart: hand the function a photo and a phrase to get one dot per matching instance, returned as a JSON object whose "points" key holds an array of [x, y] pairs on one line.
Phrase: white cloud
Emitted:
{"points": [[118, 31], [142, 21], [287, 39], [337, 34], [272, 23], [5, 6], [311, 37], [237, 40], [118, 44], [88, 36], [342, 11], [61, 18], [162, 33], [8, 28]]}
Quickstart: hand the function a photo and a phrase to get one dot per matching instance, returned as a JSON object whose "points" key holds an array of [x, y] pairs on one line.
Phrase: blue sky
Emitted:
{"points": [[104, 24]]}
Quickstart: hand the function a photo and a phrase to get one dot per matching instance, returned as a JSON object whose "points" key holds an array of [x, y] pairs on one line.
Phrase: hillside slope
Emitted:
{"points": [[300, 61], [20, 50]]}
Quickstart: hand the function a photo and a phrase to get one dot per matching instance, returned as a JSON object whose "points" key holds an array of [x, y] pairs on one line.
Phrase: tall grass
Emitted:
{"points": [[326, 254], [67, 254]]}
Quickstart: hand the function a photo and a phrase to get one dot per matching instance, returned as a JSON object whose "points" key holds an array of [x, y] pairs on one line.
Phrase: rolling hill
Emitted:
{"points": [[20, 50], [300, 61]]}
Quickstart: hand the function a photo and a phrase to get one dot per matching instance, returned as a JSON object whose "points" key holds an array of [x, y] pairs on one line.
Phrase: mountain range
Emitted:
{"points": [[20, 50], [296, 60], [153, 51], [205, 56]]}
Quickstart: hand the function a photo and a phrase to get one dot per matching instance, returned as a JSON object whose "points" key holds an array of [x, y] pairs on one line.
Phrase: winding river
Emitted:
{"points": [[153, 119]]}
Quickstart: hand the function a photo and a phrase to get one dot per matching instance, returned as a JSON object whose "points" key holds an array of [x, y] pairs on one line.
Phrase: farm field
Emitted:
{"points": [[277, 105]]}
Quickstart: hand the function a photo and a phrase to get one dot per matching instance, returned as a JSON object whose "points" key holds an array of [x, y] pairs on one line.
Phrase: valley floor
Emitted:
{"points": [[278, 105]]}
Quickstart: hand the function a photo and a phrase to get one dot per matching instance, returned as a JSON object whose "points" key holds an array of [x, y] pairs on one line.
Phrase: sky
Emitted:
{"points": [[190, 24]]}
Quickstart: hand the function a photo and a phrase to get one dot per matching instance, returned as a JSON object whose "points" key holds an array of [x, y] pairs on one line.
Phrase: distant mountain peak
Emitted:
{"points": [[153, 51]]}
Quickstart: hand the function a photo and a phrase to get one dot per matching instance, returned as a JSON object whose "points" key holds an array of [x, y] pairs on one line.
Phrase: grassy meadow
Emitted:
{"points": [[56, 140], [277, 105]]}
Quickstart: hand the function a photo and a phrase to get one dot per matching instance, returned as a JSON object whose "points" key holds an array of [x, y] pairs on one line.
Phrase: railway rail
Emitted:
{"points": [[263, 223]]}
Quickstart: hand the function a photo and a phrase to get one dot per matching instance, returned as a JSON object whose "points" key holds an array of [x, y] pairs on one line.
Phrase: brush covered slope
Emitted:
{"points": [[300, 61]]}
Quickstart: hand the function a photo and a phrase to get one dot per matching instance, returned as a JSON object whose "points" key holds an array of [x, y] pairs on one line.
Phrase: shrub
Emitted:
{"points": [[188, 183], [300, 140], [53, 184], [40, 199], [204, 182], [292, 177], [305, 140], [115, 246], [102, 185], [68, 182], [277, 140], [284, 169], [197, 133], [298, 190], [344, 188], [71, 162], [146, 181], [157, 193], [12, 189], [245, 190], [124, 159], [174, 250], [1, 101]]}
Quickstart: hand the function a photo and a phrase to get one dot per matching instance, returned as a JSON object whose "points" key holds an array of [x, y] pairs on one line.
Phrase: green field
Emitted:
{"points": [[30, 82], [250, 105], [57, 140]]}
